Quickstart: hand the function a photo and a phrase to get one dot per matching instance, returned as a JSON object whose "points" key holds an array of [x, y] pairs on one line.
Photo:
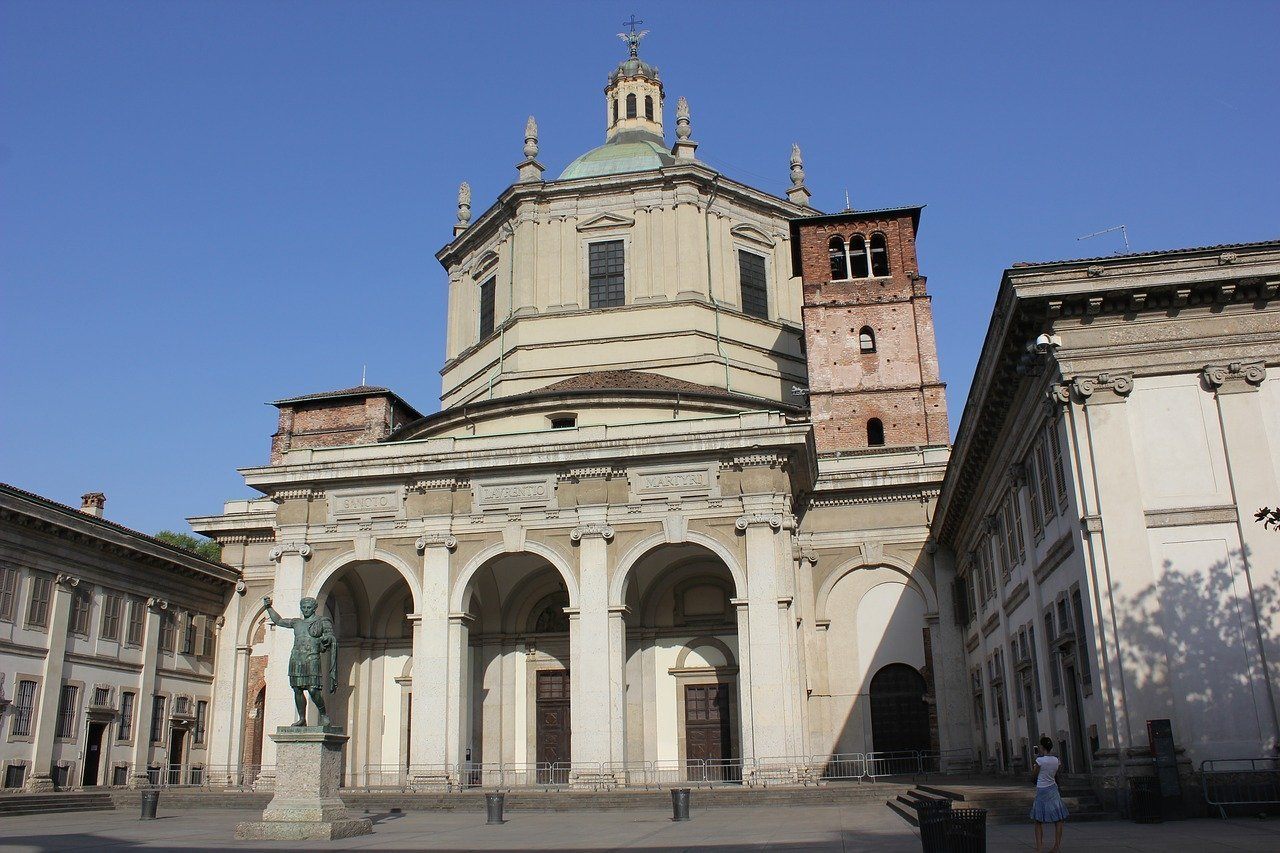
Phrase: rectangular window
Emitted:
{"points": [[8, 592], [1019, 542], [124, 731], [1006, 524], [1046, 482], [206, 647], [1033, 494], [24, 706], [202, 711], [102, 697], [1035, 664], [157, 719], [755, 293], [488, 292], [189, 635], [81, 609], [136, 617], [38, 610], [66, 726], [1060, 474], [988, 571], [1077, 604], [1055, 678], [168, 631], [606, 268], [110, 628], [15, 775]]}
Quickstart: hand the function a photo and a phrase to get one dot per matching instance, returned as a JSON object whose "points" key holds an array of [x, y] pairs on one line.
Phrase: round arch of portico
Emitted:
{"points": [[885, 562], [530, 546], [618, 586], [244, 634], [341, 561]]}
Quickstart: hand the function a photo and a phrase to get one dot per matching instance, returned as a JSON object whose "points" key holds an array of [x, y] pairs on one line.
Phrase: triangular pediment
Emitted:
{"points": [[751, 234], [605, 221]]}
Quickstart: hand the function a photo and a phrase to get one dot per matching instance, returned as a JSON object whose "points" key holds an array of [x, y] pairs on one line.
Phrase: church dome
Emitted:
{"points": [[624, 153]]}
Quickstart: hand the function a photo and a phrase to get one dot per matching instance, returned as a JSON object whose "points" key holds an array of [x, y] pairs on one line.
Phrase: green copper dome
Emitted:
{"points": [[619, 157]]}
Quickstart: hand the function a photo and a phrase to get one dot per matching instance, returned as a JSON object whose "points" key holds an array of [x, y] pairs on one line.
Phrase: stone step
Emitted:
{"points": [[1003, 806], [12, 805]]}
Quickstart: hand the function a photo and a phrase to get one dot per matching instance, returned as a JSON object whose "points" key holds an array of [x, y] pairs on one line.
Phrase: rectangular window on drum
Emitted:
{"points": [[606, 273], [755, 294], [488, 296]]}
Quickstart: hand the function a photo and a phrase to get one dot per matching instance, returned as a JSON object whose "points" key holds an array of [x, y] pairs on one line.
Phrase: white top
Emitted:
{"points": [[1048, 770]]}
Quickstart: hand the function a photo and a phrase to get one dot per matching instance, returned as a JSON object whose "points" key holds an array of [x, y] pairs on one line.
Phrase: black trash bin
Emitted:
{"points": [[1144, 799], [494, 803], [679, 803], [150, 801], [967, 831], [933, 824]]}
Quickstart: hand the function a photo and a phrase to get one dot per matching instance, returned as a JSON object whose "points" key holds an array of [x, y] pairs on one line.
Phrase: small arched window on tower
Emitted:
{"points": [[875, 433], [859, 267], [879, 255], [839, 260], [866, 340], [631, 105], [615, 110], [648, 107]]}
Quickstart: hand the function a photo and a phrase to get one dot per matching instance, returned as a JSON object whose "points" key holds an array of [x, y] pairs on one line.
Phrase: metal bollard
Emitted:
{"points": [[679, 803], [493, 803], [150, 800]]}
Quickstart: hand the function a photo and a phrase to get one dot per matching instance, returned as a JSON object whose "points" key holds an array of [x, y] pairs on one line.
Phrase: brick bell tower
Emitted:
{"points": [[868, 328]]}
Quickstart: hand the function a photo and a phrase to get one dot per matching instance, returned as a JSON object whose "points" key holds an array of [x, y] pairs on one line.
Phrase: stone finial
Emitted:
{"points": [[464, 208], [92, 503], [530, 169], [685, 147], [531, 138], [798, 193]]}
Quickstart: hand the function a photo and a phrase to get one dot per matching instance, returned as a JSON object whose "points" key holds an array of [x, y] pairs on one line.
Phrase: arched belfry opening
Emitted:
{"points": [[369, 603], [683, 682], [517, 711]]}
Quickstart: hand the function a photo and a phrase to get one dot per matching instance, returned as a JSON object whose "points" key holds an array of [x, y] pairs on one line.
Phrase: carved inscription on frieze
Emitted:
{"points": [[514, 494], [673, 482], [365, 504]]}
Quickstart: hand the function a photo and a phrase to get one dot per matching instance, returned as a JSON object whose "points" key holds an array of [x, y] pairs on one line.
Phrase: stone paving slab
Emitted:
{"points": [[858, 827]]}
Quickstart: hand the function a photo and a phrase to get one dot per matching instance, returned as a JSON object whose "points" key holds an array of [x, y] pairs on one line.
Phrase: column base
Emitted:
{"points": [[303, 830], [39, 784]]}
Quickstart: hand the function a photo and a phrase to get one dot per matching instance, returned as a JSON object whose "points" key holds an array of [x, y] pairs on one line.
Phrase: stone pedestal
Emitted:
{"points": [[306, 806]]}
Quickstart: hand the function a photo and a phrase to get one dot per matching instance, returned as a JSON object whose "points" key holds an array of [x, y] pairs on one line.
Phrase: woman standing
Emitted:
{"points": [[1048, 807]]}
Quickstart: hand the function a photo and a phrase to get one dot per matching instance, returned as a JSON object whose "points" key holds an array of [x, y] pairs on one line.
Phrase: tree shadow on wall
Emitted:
{"points": [[1195, 632]]}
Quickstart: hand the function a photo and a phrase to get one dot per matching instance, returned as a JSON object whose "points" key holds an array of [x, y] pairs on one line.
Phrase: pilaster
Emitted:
{"points": [[156, 608], [595, 640], [435, 686], [41, 778]]}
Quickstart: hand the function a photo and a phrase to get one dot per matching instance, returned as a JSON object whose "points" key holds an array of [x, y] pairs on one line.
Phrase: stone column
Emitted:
{"points": [[595, 671], [231, 674], [46, 711], [772, 662], [291, 558], [433, 681], [1254, 485], [456, 722], [146, 690]]}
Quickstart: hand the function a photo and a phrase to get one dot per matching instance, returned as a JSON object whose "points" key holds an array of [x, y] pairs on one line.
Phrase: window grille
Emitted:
{"points": [[101, 697], [157, 719], [66, 726], [202, 711], [24, 706], [124, 730], [136, 618], [110, 628], [8, 592], [607, 269], [755, 293], [488, 296], [38, 611], [879, 256]]}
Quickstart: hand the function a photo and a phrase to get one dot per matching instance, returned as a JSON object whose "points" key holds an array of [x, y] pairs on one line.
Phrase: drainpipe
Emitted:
{"points": [[715, 305]]}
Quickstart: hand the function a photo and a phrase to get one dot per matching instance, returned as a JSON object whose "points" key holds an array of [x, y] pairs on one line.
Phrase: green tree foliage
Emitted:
{"points": [[206, 548]]}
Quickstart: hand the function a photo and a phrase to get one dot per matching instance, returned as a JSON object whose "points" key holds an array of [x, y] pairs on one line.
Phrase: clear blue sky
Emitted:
{"points": [[207, 206]]}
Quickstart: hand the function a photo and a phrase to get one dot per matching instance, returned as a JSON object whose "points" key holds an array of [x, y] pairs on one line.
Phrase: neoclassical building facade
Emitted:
{"points": [[671, 516]]}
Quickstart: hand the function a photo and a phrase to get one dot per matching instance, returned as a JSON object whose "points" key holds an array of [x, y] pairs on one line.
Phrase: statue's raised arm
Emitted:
{"points": [[276, 618]]}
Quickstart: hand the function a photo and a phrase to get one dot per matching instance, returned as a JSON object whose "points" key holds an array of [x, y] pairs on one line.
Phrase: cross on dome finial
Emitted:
{"points": [[632, 38]]}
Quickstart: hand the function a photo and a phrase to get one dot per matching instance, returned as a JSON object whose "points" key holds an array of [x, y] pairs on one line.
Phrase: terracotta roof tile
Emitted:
{"points": [[631, 380]]}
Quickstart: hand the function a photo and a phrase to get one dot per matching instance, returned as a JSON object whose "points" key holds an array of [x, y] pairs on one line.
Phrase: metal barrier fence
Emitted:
{"points": [[475, 775], [1240, 782]]}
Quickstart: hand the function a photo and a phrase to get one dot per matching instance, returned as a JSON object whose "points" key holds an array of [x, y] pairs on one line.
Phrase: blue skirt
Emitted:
{"points": [[1048, 807]]}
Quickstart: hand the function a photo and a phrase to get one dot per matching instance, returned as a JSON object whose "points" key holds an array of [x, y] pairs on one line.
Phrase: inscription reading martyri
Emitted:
{"points": [[666, 483], [676, 480]]}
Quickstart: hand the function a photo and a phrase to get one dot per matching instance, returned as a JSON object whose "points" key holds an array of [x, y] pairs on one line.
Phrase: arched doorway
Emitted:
{"points": [[683, 702], [899, 715], [517, 707]]}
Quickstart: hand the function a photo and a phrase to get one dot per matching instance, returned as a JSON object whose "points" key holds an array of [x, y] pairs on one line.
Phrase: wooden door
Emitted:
{"points": [[552, 751], [93, 755], [707, 733]]}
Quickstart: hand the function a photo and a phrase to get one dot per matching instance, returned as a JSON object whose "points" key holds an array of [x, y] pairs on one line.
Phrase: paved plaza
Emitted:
{"points": [[818, 828]]}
